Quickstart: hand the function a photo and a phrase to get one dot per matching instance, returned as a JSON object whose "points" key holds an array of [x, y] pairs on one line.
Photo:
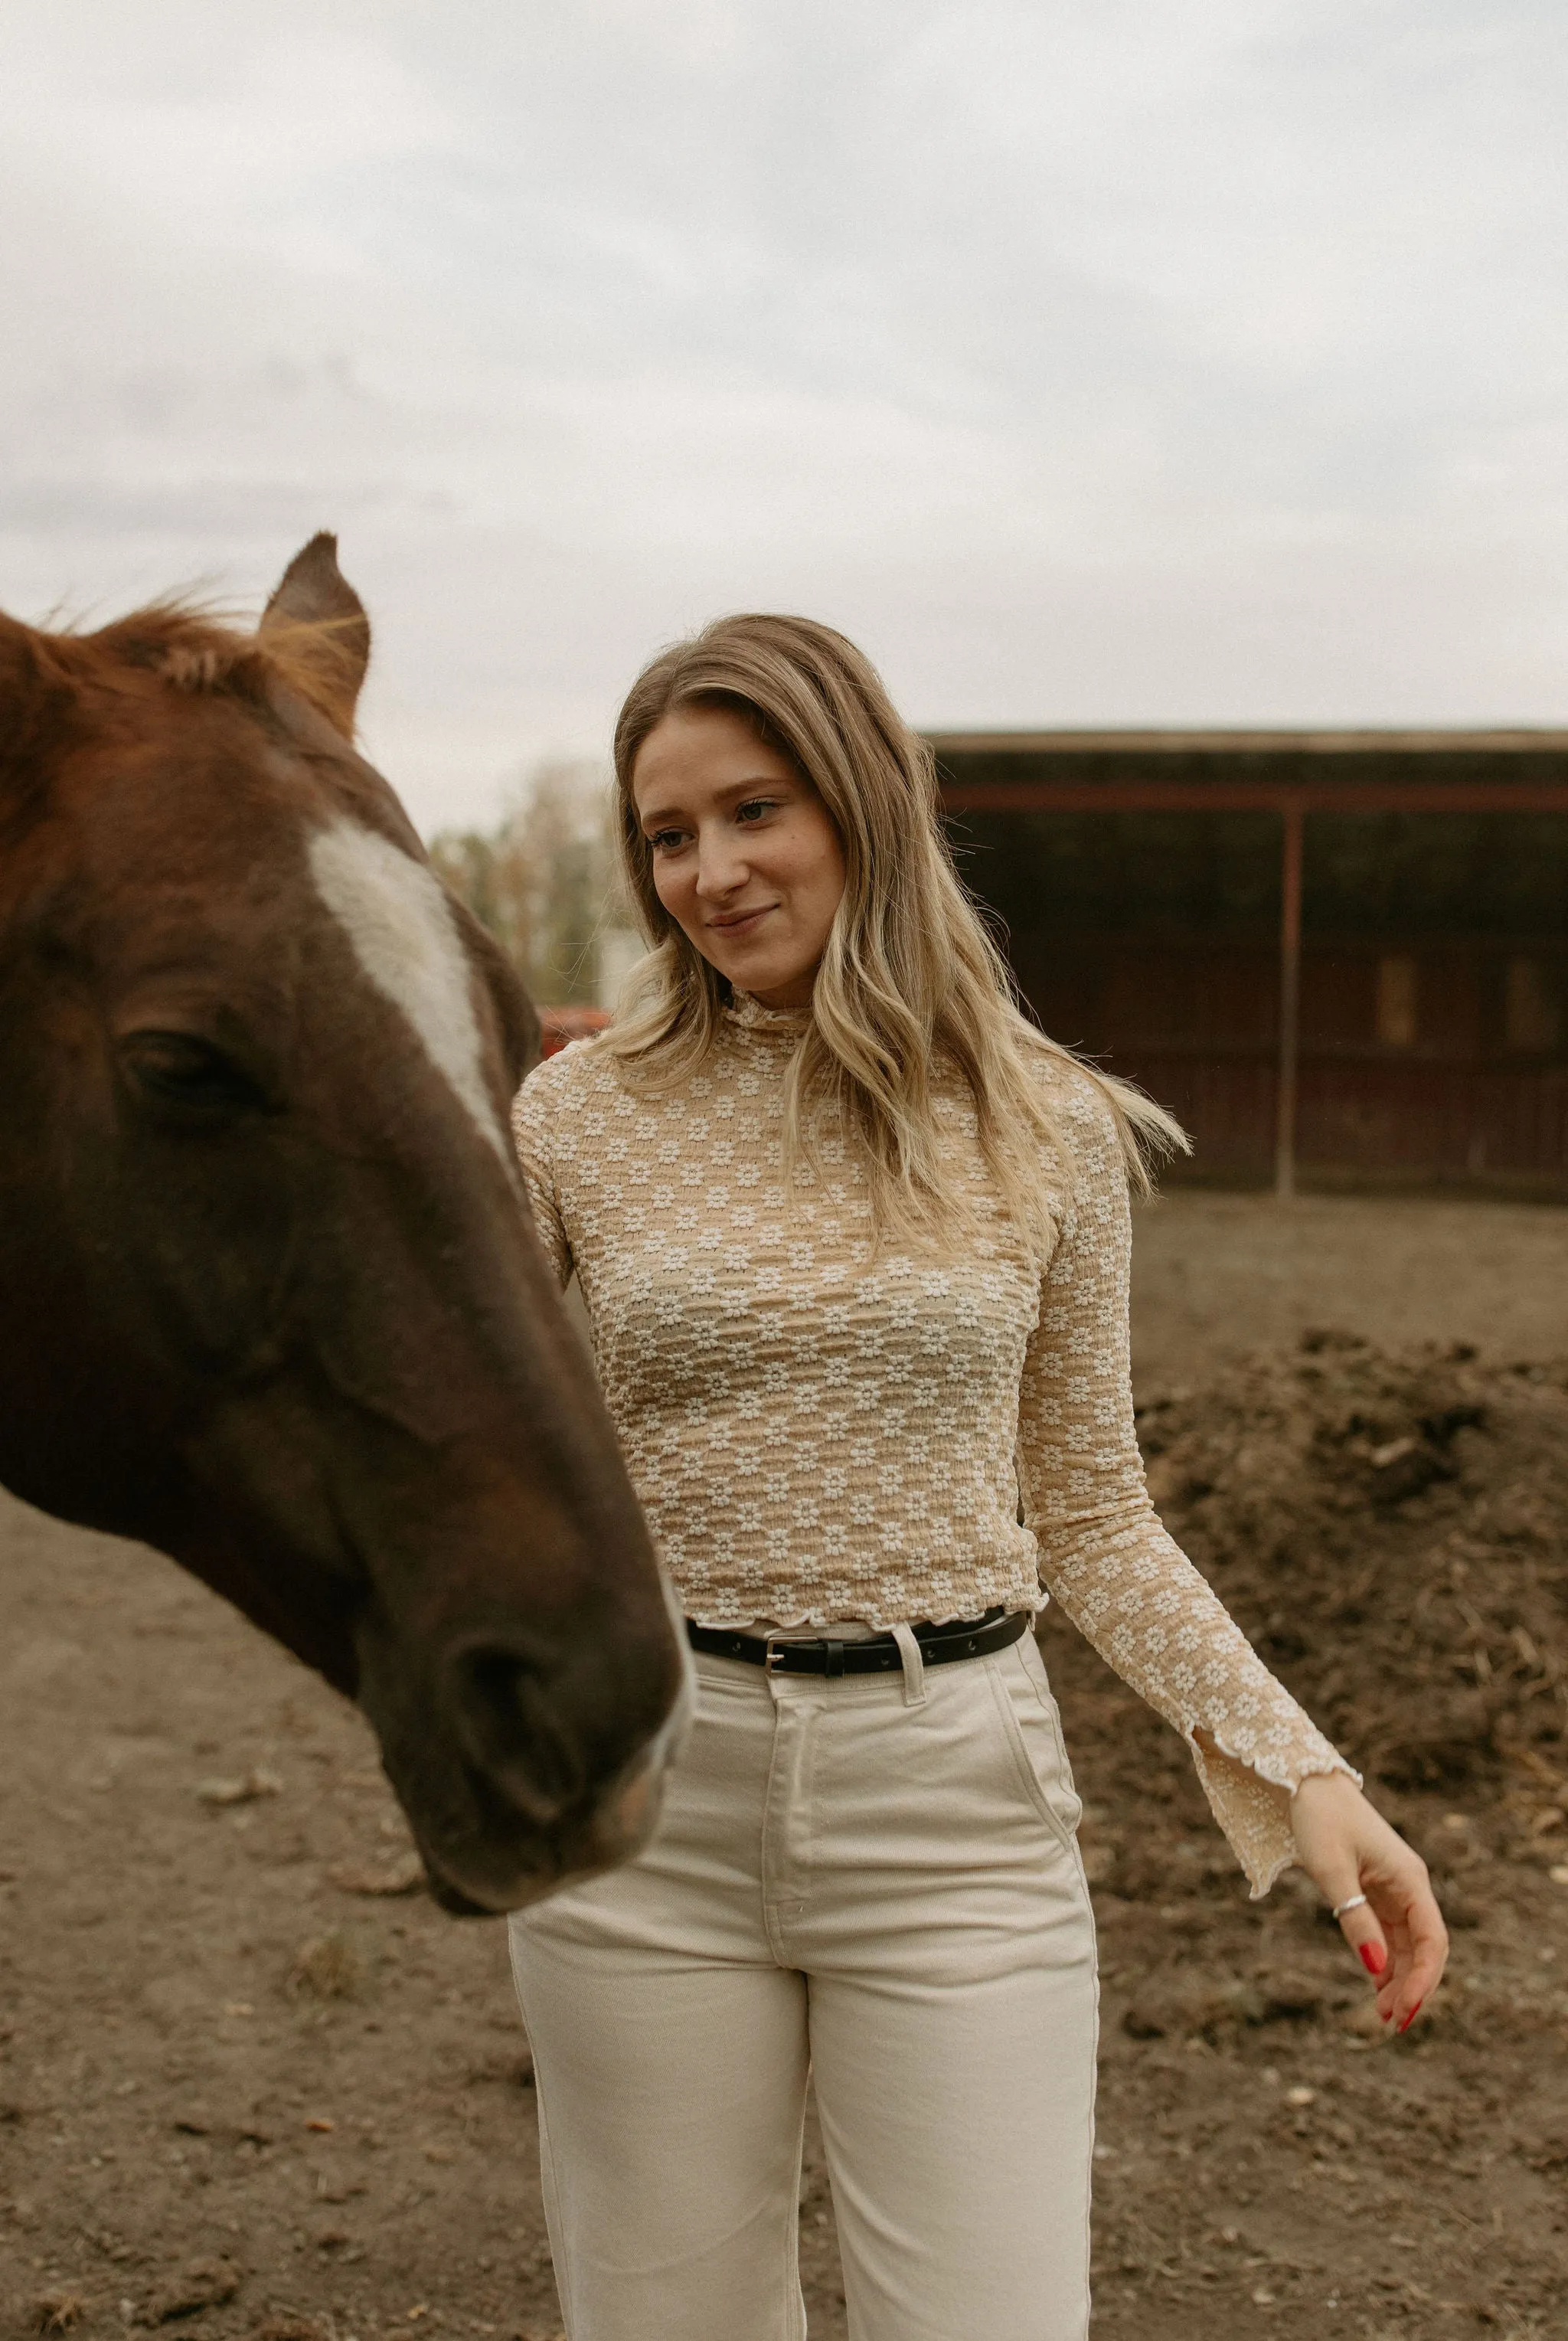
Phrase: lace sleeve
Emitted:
{"points": [[531, 1130], [1105, 1556]]}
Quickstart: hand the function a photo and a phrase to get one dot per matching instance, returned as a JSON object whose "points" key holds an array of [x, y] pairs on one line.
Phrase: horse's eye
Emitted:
{"points": [[181, 1069]]}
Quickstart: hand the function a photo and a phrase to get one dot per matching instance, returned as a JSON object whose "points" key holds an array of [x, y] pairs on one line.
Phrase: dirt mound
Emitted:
{"points": [[1391, 1530]]}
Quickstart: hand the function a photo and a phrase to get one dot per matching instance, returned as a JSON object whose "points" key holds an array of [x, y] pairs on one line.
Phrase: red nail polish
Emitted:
{"points": [[1411, 2018], [1373, 1958]]}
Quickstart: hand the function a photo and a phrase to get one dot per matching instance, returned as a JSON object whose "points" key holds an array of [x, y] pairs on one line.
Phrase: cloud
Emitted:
{"points": [[1088, 361]]}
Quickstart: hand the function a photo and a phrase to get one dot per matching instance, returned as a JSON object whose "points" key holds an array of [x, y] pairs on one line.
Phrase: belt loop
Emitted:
{"points": [[914, 1666], [773, 1673]]}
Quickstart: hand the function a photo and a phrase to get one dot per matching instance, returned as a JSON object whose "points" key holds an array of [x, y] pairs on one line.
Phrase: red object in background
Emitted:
{"points": [[557, 1026]]}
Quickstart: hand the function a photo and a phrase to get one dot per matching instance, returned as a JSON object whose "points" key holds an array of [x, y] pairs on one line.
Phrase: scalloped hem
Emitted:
{"points": [[874, 1619], [1261, 1879]]}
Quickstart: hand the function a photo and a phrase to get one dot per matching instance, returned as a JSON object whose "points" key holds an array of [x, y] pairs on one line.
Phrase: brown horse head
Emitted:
{"points": [[272, 1301]]}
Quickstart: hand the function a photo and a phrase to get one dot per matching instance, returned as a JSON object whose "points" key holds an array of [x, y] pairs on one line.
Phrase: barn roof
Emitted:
{"points": [[1515, 769]]}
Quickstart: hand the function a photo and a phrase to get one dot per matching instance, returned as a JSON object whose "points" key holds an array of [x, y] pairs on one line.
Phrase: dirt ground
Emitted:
{"points": [[1214, 1274], [250, 2091]]}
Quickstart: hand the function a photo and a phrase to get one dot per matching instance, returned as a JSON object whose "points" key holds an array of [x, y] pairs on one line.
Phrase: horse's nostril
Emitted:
{"points": [[507, 1720]]}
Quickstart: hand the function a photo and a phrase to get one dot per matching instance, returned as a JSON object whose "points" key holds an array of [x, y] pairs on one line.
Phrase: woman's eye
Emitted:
{"points": [[753, 809], [665, 841]]}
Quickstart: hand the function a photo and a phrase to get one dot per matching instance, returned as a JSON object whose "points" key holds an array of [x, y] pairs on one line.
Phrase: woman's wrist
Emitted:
{"points": [[1325, 1786]]}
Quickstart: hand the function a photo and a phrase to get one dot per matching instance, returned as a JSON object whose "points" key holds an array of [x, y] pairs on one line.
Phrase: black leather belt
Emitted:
{"points": [[969, 1638]]}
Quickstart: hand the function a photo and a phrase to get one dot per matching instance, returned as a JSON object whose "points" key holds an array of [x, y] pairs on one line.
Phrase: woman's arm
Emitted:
{"points": [[1104, 1554], [1129, 1587], [532, 1135]]}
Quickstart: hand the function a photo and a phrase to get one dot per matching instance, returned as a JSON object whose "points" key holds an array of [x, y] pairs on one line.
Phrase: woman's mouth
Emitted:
{"points": [[734, 924]]}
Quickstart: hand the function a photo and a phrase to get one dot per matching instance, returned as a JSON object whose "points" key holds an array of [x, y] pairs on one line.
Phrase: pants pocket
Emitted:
{"points": [[1034, 1666], [1034, 1734]]}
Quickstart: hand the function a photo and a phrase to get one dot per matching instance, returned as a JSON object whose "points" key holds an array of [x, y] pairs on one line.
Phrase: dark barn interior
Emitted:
{"points": [[1338, 957]]}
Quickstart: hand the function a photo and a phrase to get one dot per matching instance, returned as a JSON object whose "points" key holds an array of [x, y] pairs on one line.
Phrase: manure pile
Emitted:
{"points": [[1391, 1530]]}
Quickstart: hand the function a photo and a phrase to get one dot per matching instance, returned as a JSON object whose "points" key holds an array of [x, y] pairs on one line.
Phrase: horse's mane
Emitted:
{"points": [[191, 647]]}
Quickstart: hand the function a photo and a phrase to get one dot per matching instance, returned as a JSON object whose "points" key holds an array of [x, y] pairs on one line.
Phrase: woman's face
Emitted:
{"points": [[746, 860]]}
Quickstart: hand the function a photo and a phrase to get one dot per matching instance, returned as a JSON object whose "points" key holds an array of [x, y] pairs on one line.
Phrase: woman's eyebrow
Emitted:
{"points": [[733, 792]]}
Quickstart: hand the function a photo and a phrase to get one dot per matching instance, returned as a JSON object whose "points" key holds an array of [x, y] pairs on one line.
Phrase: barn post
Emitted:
{"points": [[1289, 1001]]}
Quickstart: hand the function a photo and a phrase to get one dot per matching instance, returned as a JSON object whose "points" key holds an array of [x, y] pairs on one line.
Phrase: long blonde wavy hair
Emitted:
{"points": [[909, 977]]}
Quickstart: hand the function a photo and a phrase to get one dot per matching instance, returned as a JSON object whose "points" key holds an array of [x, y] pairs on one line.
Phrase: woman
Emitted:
{"points": [[854, 1238]]}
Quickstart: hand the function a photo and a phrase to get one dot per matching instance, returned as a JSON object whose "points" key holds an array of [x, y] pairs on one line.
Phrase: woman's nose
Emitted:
{"points": [[720, 869]]}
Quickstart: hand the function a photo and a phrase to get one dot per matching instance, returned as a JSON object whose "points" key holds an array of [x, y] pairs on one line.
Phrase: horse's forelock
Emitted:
{"points": [[194, 651], [180, 643]]}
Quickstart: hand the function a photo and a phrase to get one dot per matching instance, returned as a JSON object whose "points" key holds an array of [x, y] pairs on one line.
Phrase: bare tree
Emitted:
{"points": [[545, 882]]}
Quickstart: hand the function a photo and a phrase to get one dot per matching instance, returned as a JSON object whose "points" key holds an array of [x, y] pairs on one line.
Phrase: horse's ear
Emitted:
{"points": [[316, 625]]}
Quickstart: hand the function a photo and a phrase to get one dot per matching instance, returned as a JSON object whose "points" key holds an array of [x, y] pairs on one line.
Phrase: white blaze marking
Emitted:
{"points": [[396, 914]]}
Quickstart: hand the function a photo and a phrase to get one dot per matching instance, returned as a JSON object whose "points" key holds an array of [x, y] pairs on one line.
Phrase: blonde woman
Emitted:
{"points": [[853, 1238]]}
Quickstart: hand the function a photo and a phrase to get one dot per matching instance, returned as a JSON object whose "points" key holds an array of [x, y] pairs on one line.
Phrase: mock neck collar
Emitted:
{"points": [[749, 1016]]}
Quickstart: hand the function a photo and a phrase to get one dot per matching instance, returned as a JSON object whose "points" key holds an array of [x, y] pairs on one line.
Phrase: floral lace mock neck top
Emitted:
{"points": [[820, 1433]]}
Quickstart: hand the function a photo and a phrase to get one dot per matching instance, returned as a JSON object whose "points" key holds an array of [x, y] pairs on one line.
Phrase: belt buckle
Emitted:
{"points": [[771, 1664]]}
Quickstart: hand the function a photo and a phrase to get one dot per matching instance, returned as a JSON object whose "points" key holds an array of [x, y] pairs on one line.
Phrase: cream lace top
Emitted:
{"points": [[819, 1435]]}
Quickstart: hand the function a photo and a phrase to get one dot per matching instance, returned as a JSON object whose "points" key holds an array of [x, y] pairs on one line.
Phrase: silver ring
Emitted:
{"points": [[1355, 1903]]}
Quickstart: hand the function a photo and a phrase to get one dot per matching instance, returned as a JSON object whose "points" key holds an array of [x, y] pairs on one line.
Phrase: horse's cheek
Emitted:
{"points": [[212, 1223]]}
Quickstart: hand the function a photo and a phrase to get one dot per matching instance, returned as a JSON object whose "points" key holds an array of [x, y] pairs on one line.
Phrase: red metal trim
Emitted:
{"points": [[557, 1026], [1343, 796], [1518, 740]]}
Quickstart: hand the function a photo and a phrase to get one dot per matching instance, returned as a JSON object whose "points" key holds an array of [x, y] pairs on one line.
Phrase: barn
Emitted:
{"points": [[1340, 957]]}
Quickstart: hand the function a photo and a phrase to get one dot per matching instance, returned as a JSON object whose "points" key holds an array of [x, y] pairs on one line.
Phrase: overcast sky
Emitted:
{"points": [[1089, 361]]}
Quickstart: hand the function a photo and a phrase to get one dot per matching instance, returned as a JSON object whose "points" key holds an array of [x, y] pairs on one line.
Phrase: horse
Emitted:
{"points": [[273, 1301]]}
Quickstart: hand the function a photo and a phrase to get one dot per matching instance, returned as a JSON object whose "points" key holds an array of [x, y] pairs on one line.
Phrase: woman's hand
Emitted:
{"points": [[1347, 1848]]}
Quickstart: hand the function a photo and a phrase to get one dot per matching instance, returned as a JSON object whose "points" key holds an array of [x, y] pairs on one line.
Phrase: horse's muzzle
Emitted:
{"points": [[546, 1783]]}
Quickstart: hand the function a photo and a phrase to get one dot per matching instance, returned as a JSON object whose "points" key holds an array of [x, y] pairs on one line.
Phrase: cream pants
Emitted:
{"points": [[873, 1881]]}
